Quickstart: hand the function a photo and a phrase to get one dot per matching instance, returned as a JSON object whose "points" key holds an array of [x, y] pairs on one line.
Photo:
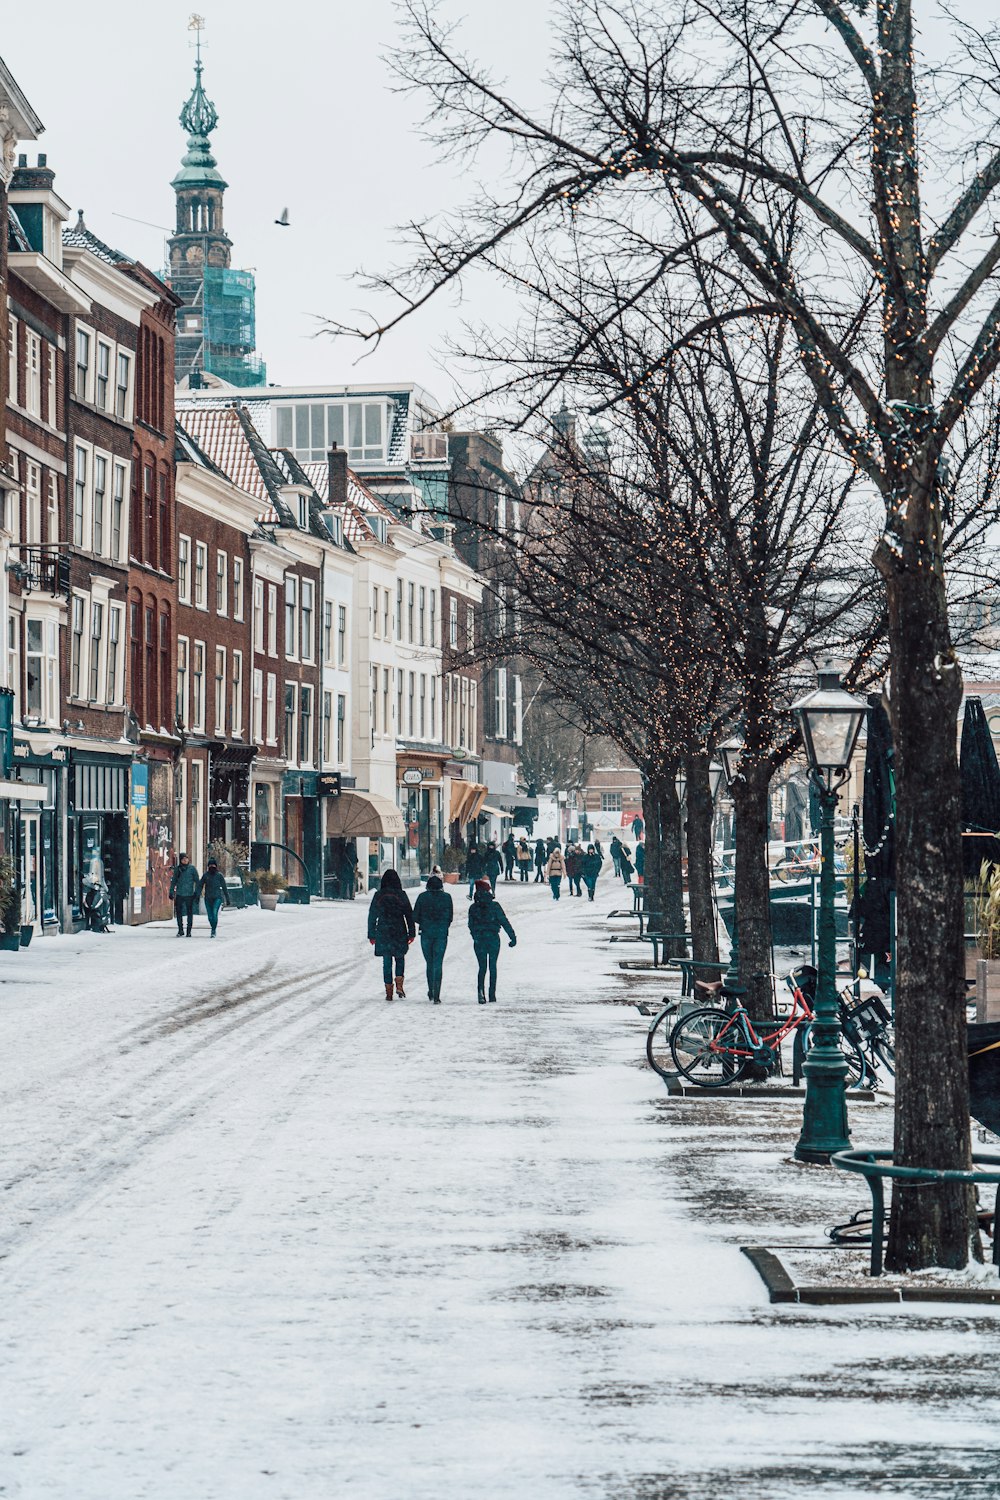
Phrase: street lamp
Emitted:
{"points": [[830, 721], [730, 752], [680, 782], [715, 775]]}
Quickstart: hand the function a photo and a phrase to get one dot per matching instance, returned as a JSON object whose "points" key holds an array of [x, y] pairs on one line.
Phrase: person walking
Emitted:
{"points": [[391, 929], [350, 868], [183, 893], [541, 855], [555, 869], [625, 862], [525, 859], [494, 864], [475, 868], [214, 892], [486, 921], [591, 869], [616, 854], [433, 914], [574, 869], [640, 859], [509, 856]]}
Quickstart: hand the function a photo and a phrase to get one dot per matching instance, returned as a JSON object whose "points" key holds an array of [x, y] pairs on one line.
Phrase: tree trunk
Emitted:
{"points": [[704, 939], [663, 874], [935, 1225], [750, 794]]}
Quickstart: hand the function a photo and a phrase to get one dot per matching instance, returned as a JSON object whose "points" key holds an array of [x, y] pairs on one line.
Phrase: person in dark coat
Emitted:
{"points": [[475, 868], [391, 929], [640, 859], [574, 869], [214, 892], [509, 856], [350, 869], [541, 855], [616, 854], [625, 862], [183, 893], [591, 869], [494, 864], [486, 921], [433, 914]]}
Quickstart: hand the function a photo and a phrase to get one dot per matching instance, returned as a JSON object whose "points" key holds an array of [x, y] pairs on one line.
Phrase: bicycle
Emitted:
{"points": [[713, 1048]]}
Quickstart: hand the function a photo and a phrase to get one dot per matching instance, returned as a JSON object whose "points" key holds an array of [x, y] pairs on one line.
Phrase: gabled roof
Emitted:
{"points": [[361, 503], [79, 237]]}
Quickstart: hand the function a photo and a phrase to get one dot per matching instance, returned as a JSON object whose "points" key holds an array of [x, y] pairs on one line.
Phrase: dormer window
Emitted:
{"points": [[303, 513], [379, 528], [311, 429], [335, 527]]}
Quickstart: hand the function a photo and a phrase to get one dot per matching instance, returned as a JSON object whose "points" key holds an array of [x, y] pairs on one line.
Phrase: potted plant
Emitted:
{"points": [[270, 885], [10, 906], [451, 863]]}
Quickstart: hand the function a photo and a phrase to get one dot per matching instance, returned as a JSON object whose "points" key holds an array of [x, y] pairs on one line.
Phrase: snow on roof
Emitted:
{"points": [[222, 438], [79, 237], [361, 502]]}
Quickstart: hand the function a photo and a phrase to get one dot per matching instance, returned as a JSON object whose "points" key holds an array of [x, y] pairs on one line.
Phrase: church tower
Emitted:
{"points": [[216, 326]]}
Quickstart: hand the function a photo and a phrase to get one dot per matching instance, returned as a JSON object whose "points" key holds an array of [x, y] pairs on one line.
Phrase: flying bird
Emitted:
{"points": [[283, 221]]}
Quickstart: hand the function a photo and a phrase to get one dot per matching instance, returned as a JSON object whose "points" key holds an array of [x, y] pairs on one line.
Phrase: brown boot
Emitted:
{"points": [[399, 987], [388, 991]]}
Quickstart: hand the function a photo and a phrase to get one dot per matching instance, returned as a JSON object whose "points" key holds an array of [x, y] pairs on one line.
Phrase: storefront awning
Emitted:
{"points": [[21, 791], [363, 815], [494, 812], [467, 798]]}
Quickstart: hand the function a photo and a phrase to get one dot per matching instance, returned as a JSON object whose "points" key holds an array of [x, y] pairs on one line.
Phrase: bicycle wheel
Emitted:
{"points": [[658, 1041], [884, 1049], [857, 1068], [699, 1055]]}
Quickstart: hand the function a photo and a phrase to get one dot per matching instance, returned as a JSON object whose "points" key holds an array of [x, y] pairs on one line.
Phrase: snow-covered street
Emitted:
{"points": [[268, 1236]]}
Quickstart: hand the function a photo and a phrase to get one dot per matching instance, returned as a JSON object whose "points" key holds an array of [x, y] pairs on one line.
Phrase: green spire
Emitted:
{"points": [[199, 118]]}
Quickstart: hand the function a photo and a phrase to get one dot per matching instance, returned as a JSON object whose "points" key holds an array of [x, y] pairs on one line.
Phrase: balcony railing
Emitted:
{"points": [[41, 567]]}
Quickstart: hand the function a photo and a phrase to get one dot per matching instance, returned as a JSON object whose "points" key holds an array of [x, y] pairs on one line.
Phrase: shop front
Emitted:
{"points": [[419, 795], [37, 835], [153, 822], [229, 793], [98, 830], [302, 830], [373, 824]]}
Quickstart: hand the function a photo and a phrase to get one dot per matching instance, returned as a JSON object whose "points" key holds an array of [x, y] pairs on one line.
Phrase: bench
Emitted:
{"points": [[877, 1165], [689, 968]]}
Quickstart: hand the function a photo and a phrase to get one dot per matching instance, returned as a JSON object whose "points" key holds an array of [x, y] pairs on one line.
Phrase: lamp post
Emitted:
{"points": [[729, 753], [830, 720]]}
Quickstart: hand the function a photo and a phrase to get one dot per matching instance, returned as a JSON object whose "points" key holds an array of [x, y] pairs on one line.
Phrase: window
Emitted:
{"points": [[290, 721], [258, 615], [433, 635], [272, 707], [470, 628], [79, 494], [100, 489], [236, 708], [257, 706], [341, 635], [52, 409], [114, 650], [375, 615], [327, 632], [102, 377], [303, 504], [33, 371], [386, 725], [410, 696], [410, 597], [198, 687], [399, 701], [200, 569], [423, 705], [272, 620], [327, 727], [500, 678], [82, 364], [311, 429], [145, 545], [453, 623], [221, 583], [96, 640], [184, 569], [386, 611], [237, 588], [291, 618], [117, 512], [307, 611], [399, 609], [305, 725], [374, 693], [33, 503], [123, 376], [34, 667], [13, 667], [220, 689], [518, 709], [52, 508], [12, 361], [611, 802], [422, 616], [434, 690], [163, 503], [341, 723]]}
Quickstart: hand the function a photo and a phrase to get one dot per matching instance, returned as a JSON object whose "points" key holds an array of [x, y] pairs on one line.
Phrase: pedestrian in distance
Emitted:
{"points": [[494, 864], [350, 868], [525, 860], [183, 893], [475, 868], [616, 854], [541, 855], [391, 929], [591, 869], [555, 869], [574, 869], [214, 893], [640, 859], [433, 913], [486, 921], [625, 862], [509, 856]]}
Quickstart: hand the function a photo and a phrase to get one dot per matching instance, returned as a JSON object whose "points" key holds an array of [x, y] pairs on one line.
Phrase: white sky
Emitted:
{"points": [[306, 118]]}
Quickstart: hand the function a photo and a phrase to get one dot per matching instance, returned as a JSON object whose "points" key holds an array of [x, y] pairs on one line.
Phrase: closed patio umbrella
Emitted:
{"points": [[980, 791]]}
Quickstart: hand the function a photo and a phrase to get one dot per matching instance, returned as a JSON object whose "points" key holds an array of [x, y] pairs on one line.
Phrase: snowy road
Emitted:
{"points": [[265, 1235]]}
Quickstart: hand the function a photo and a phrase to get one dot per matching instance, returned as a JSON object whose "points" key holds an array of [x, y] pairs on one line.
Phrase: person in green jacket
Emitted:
{"points": [[486, 921], [214, 893], [183, 893], [433, 914]]}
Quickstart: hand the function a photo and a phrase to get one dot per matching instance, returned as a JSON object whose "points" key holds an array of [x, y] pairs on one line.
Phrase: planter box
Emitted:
{"points": [[296, 895], [450, 877], [27, 933], [10, 942], [269, 901]]}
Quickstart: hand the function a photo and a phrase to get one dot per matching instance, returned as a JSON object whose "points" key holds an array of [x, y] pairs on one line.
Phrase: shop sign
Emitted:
{"points": [[328, 784], [55, 756], [412, 776], [138, 816]]}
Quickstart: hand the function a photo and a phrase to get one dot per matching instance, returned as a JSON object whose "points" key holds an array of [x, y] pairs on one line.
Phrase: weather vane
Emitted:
{"points": [[197, 25]]}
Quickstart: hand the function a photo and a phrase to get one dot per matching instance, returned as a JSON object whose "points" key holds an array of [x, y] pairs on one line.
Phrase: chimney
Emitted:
{"points": [[337, 461]]}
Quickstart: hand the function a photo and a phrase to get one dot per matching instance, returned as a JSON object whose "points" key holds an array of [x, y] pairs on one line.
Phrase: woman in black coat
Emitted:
{"points": [[391, 929]]}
